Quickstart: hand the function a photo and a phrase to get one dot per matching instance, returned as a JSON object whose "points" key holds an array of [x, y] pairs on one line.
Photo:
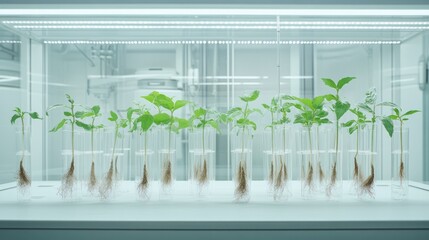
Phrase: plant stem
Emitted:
{"points": [[357, 142], [145, 148], [22, 138], [114, 141], [92, 140], [272, 138], [72, 133]]}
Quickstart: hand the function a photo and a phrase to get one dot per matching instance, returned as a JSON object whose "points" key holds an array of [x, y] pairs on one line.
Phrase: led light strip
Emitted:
{"points": [[126, 27], [248, 42], [215, 22], [211, 12], [10, 41]]}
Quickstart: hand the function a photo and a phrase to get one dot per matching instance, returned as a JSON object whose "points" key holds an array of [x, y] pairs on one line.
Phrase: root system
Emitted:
{"points": [[279, 183], [144, 183], [242, 188], [367, 186], [285, 174], [271, 173], [67, 183], [309, 178], [321, 173], [401, 171], [203, 176], [107, 185], [333, 180], [92, 183], [166, 173], [23, 178]]}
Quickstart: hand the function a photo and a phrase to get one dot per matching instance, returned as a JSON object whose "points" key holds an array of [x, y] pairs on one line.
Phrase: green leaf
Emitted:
{"points": [[146, 121], [330, 83], [344, 81], [96, 109], [252, 97], [410, 113], [151, 97], [183, 123], [54, 107], [214, 124], [387, 104], [388, 125], [266, 106], [393, 117], [341, 108], [14, 118], [200, 112], [83, 125], [366, 108], [34, 115], [70, 99], [348, 124], [161, 118], [318, 101], [59, 125], [113, 116], [68, 114], [353, 129], [330, 97], [180, 103], [165, 102], [396, 110], [306, 101]]}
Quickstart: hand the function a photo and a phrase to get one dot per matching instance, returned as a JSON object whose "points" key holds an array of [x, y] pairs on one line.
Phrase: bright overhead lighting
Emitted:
{"points": [[10, 41], [240, 42], [213, 12]]}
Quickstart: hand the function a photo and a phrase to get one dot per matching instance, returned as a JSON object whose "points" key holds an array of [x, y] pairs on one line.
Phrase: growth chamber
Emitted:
{"points": [[196, 118]]}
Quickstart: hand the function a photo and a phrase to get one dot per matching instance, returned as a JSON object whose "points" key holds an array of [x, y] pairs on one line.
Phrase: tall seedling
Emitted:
{"points": [[68, 179], [339, 107], [356, 125], [370, 105], [24, 180], [201, 119], [165, 117], [112, 172], [243, 124], [401, 117], [311, 113], [92, 113], [143, 124]]}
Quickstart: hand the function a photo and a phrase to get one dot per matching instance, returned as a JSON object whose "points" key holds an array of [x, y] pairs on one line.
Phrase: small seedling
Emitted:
{"points": [[356, 125], [370, 106], [24, 180], [173, 124], [92, 113], [112, 173], [242, 123], [201, 119], [401, 118], [339, 107], [142, 123], [311, 113], [68, 180]]}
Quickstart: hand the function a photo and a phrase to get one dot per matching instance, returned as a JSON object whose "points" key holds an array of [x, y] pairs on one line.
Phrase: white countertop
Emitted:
{"points": [[46, 209]]}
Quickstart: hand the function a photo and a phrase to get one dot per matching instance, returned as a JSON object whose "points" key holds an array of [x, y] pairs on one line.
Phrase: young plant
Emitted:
{"points": [[68, 179], [339, 107], [241, 120], [112, 173], [401, 117], [273, 108], [23, 178], [142, 123], [370, 105], [311, 113], [201, 119], [92, 113], [356, 125], [165, 117]]}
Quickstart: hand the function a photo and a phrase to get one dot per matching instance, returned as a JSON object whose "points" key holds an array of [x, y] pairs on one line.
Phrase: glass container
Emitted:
{"points": [[400, 163], [241, 169]]}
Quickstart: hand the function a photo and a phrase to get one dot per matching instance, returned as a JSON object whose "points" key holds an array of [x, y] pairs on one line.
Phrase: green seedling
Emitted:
{"points": [[401, 117], [165, 117], [201, 119], [142, 123], [356, 125], [112, 173], [243, 124], [339, 107], [24, 180], [90, 113], [68, 180], [311, 112], [370, 105]]}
